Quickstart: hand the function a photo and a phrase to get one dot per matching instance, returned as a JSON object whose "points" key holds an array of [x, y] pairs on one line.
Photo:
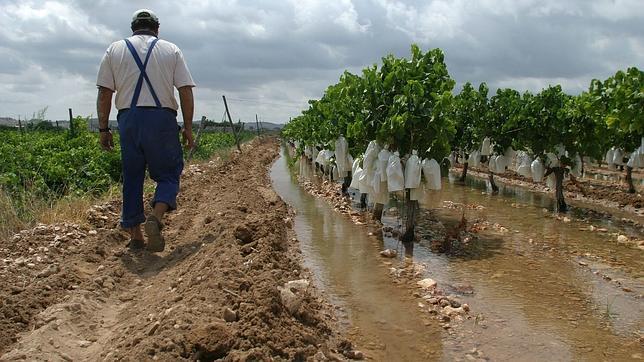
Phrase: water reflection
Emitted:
{"points": [[536, 300], [345, 264]]}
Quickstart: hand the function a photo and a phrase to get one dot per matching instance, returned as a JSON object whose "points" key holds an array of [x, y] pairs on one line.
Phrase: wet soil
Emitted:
{"points": [[218, 291], [378, 303], [540, 285], [610, 193]]}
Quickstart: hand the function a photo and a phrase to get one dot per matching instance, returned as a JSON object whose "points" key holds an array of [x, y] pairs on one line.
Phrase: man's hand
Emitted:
{"points": [[187, 111], [103, 106], [188, 141], [107, 143]]}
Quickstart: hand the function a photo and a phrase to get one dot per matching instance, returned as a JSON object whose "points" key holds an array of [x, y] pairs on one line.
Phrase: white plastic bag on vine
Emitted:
{"points": [[363, 183], [341, 150], [470, 158], [324, 157], [370, 156], [432, 172], [475, 158], [315, 155], [356, 164], [510, 155], [355, 180], [553, 160], [486, 147], [336, 172], [412, 171], [383, 158], [375, 184], [501, 164], [537, 170], [381, 193], [551, 181], [524, 168], [395, 176], [618, 157], [609, 157], [452, 159], [369, 165], [492, 164], [576, 168], [635, 159]]}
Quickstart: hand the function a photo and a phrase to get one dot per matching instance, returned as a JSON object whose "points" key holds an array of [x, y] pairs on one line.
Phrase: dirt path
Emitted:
{"points": [[218, 291]]}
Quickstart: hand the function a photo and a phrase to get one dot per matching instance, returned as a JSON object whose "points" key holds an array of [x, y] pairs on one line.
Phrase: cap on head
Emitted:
{"points": [[145, 14]]}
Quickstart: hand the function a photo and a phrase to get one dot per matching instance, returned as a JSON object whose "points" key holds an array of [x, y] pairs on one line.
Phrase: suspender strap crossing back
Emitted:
{"points": [[143, 75]]}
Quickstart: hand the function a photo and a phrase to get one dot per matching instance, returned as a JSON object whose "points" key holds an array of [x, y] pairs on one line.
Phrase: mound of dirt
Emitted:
{"points": [[216, 292], [610, 194]]}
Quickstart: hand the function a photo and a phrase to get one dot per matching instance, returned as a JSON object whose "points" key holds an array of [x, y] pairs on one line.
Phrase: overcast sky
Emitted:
{"points": [[270, 57]]}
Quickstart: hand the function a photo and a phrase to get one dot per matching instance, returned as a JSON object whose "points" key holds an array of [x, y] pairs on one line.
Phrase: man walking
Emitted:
{"points": [[143, 72]]}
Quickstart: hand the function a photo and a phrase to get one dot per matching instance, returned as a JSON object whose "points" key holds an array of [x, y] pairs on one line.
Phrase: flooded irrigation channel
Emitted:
{"points": [[540, 287]]}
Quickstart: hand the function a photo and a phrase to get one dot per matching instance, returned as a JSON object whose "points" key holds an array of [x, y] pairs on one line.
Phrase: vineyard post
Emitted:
{"points": [[465, 167], [257, 124], [629, 180], [71, 123], [20, 126], [411, 207], [559, 195], [232, 126], [201, 127], [495, 188]]}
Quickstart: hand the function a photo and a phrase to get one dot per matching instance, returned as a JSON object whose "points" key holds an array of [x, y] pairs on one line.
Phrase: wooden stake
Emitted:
{"points": [[71, 123], [230, 120], [257, 124], [201, 127]]}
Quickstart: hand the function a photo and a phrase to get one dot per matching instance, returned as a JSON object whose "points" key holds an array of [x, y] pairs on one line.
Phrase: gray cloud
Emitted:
{"points": [[270, 57]]}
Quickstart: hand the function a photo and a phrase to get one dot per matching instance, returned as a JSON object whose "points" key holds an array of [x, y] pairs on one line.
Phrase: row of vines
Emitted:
{"points": [[49, 164], [407, 106]]}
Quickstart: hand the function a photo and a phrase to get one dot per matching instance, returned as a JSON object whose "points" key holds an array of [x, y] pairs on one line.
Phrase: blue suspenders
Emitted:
{"points": [[143, 75]]}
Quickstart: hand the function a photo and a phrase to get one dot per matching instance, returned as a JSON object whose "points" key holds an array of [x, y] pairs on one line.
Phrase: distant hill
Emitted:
{"points": [[265, 125], [8, 122]]}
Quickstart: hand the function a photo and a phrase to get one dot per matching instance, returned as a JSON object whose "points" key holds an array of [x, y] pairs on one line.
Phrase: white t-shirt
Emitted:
{"points": [[166, 69]]}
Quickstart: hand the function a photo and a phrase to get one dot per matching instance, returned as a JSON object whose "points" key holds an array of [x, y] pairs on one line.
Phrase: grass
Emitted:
{"points": [[17, 215], [24, 209]]}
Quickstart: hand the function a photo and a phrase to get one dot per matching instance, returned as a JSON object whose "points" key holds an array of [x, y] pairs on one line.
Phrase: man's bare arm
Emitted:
{"points": [[187, 109], [187, 106], [104, 106]]}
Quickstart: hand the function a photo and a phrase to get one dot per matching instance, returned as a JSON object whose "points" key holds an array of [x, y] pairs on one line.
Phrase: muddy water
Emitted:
{"points": [[381, 317], [544, 287], [540, 288]]}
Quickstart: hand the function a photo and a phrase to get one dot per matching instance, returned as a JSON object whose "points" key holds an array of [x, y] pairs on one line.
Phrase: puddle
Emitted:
{"points": [[539, 282], [381, 317], [538, 291]]}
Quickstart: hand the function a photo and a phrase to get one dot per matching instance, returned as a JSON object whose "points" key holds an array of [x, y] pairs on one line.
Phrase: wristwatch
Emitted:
{"points": [[104, 129]]}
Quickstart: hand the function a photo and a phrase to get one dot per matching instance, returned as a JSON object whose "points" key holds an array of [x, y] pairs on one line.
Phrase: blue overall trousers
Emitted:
{"points": [[149, 138]]}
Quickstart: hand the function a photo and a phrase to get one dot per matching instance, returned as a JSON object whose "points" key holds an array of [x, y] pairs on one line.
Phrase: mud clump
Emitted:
{"points": [[243, 234], [210, 343]]}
